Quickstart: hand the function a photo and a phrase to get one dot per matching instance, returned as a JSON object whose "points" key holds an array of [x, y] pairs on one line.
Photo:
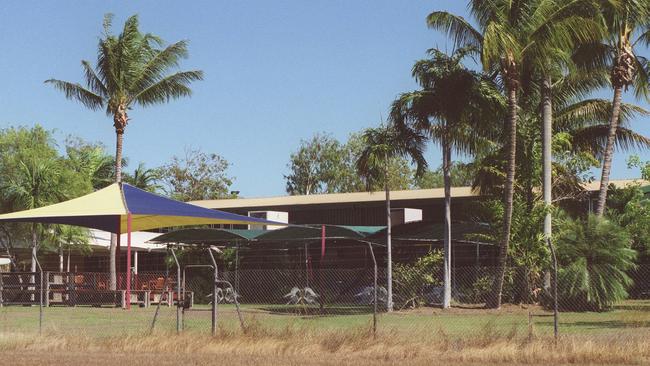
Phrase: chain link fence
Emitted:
{"points": [[316, 299]]}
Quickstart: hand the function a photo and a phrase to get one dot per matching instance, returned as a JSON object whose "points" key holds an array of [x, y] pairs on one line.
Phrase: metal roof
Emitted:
{"points": [[365, 197]]}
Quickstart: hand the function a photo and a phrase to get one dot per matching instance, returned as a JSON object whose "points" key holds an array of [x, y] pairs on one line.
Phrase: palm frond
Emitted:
{"points": [[170, 87], [593, 139], [78, 93], [593, 112], [94, 82], [457, 28], [154, 70], [642, 78]]}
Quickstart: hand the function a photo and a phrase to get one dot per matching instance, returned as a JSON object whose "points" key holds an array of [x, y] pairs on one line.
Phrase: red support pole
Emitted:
{"points": [[128, 261]]}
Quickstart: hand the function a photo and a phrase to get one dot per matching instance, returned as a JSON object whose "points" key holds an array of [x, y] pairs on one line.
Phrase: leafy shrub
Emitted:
{"points": [[415, 283]]}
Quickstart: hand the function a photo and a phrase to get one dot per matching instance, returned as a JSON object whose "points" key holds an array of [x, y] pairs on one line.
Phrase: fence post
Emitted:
{"points": [[215, 300], [555, 299], [162, 291], [40, 298], [1, 290], [178, 292], [374, 312]]}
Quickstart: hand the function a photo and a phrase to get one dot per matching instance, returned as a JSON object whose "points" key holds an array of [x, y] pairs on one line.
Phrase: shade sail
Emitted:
{"points": [[108, 209], [427, 231], [311, 232], [101, 241], [297, 234], [206, 236]]}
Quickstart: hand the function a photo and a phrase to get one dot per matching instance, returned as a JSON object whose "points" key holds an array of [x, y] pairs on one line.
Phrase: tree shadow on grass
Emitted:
{"points": [[315, 310], [606, 324]]}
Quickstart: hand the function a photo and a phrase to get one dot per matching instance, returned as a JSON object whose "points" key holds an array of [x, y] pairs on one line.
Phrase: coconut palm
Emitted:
{"points": [[627, 26], [511, 34], [580, 130], [131, 70], [448, 110], [381, 146]]}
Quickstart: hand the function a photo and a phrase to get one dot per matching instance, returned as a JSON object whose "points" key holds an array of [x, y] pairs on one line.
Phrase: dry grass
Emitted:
{"points": [[296, 346]]}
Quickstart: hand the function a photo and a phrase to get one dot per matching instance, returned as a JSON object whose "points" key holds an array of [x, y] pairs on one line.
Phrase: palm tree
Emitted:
{"points": [[510, 34], [37, 183], [580, 129], [447, 109], [381, 146], [144, 178], [130, 70], [67, 238], [625, 20], [93, 163]]}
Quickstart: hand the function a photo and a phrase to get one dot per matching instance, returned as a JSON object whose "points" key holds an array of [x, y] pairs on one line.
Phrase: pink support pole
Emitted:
{"points": [[128, 261]]}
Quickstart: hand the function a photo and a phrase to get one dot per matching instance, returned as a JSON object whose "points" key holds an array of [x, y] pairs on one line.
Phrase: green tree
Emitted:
{"points": [[449, 109], [144, 178], [37, 183], [630, 208], [132, 69], [401, 176], [325, 165], [509, 36], [381, 146], [594, 255], [579, 137], [92, 162], [64, 239], [529, 256], [626, 22], [315, 167], [197, 176], [462, 175], [635, 162]]}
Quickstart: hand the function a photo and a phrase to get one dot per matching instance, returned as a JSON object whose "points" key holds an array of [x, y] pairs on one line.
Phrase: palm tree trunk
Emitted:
{"points": [[68, 262], [33, 263], [389, 259], [118, 156], [34, 247], [547, 136], [609, 151], [494, 301], [60, 257], [547, 154], [446, 168], [120, 123]]}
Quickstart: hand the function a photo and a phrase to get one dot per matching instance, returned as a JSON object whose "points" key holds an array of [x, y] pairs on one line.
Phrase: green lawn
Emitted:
{"points": [[631, 317]]}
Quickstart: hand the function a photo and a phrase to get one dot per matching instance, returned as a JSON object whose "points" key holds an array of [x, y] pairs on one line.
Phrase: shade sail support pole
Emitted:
{"points": [[215, 299], [40, 297], [155, 315], [374, 291], [129, 220], [178, 291]]}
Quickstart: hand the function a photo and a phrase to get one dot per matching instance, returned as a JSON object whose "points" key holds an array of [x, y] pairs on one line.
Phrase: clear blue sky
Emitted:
{"points": [[276, 72]]}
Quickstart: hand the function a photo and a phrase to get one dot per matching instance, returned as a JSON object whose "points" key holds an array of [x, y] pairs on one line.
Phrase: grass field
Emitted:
{"points": [[630, 317], [459, 336]]}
